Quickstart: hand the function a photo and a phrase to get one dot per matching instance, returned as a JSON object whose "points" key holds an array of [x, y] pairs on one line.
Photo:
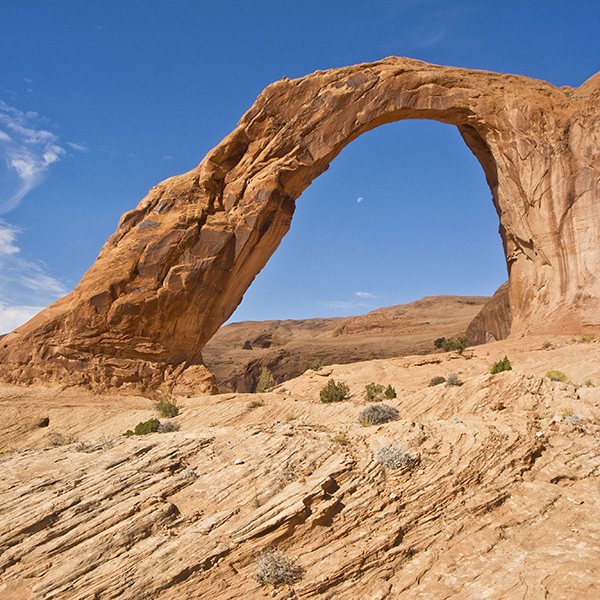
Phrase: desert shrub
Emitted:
{"points": [[392, 457], [145, 427], [556, 376], [390, 393], [452, 379], [265, 381], [437, 380], [254, 404], [568, 414], [315, 365], [376, 414], [438, 343], [373, 390], [584, 339], [450, 345], [501, 365], [589, 383], [168, 426], [340, 438], [274, 567], [247, 345], [189, 474], [334, 392], [167, 406], [289, 417]]}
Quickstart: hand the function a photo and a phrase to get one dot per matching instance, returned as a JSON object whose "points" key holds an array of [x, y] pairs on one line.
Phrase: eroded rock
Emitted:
{"points": [[179, 263]]}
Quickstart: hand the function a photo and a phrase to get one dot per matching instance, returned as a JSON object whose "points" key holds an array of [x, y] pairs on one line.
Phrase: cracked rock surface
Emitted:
{"points": [[499, 498]]}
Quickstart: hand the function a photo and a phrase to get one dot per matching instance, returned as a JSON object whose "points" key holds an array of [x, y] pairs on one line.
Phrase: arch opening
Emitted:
{"points": [[424, 226]]}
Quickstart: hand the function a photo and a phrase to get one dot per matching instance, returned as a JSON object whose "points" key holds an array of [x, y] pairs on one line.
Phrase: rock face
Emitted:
{"points": [[493, 321], [288, 347], [179, 263], [494, 502]]}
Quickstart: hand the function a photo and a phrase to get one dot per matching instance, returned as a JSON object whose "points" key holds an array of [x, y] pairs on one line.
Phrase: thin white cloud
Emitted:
{"points": [[8, 235], [79, 147], [26, 154], [360, 199], [25, 286], [364, 295], [12, 317]]}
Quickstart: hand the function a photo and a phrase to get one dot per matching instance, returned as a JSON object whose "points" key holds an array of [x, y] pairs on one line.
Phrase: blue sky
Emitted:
{"points": [[101, 100]]}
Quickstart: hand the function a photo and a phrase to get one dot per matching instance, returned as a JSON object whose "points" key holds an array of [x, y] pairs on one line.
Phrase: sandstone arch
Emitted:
{"points": [[178, 264]]}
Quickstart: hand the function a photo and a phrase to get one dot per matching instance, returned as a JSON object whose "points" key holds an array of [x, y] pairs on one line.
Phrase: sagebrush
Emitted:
{"points": [[393, 458], [453, 379], [274, 567], [377, 414]]}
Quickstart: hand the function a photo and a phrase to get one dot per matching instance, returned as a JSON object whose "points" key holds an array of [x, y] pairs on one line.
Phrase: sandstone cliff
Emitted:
{"points": [[288, 347]]}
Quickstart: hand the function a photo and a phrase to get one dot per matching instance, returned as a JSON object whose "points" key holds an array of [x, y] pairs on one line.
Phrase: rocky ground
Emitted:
{"points": [[500, 497], [288, 347]]}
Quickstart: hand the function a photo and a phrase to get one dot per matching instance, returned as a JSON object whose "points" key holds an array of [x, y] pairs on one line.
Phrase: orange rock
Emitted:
{"points": [[179, 263]]}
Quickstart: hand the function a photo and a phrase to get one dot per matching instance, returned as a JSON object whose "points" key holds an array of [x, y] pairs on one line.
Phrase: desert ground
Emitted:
{"points": [[498, 496]]}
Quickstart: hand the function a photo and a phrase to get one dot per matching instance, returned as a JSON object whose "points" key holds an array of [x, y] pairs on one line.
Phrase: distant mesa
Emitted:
{"points": [[179, 264]]}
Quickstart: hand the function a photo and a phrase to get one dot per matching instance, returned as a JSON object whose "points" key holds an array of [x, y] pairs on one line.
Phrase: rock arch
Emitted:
{"points": [[179, 263]]}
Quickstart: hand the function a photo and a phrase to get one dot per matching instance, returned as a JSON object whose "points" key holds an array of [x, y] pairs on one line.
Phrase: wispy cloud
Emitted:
{"points": [[12, 317], [79, 147], [364, 295], [27, 151], [25, 286]]}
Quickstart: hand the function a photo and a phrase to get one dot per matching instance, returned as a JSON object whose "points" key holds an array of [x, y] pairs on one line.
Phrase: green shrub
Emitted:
{"points": [[167, 406], [247, 345], [589, 383], [390, 393], [340, 438], [254, 404], [144, 427], [459, 345], [376, 414], [265, 381], [393, 458], [556, 376], [274, 568], [501, 365], [453, 379], [437, 380], [315, 365], [334, 392], [373, 390]]}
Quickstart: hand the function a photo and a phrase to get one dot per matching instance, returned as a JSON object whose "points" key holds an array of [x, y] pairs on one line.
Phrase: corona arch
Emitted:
{"points": [[179, 264]]}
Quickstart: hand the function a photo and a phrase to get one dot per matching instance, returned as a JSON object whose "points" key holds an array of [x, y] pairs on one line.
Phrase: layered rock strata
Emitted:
{"points": [[179, 263]]}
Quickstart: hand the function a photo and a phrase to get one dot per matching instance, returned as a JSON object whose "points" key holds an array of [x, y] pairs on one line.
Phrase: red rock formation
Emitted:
{"points": [[179, 263], [493, 321]]}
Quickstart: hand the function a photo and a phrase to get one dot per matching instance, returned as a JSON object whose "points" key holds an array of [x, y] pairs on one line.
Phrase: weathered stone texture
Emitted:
{"points": [[179, 263]]}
